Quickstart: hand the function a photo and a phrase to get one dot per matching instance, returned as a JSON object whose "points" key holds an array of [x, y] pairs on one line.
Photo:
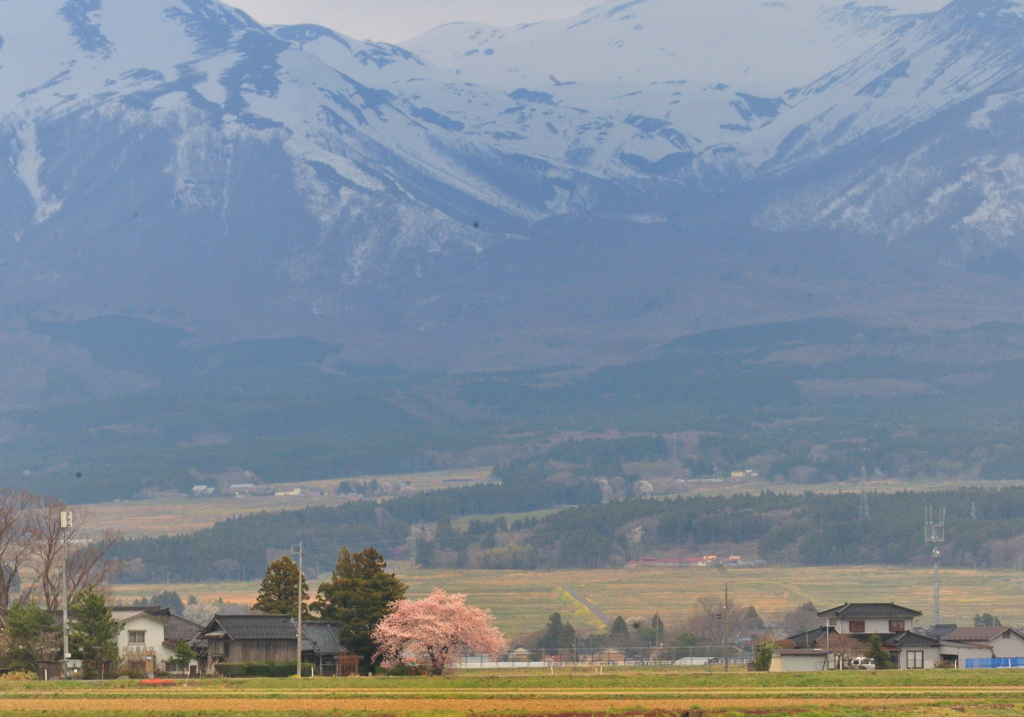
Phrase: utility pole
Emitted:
{"points": [[725, 640], [298, 642], [66, 523], [934, 534]]}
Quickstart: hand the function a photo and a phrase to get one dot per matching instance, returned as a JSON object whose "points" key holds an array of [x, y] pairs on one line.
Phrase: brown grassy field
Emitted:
{"points": [[522, 601], [653, 693], [170, 516], [174, 515]]}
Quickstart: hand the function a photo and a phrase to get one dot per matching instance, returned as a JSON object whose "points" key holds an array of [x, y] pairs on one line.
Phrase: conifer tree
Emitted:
{"points": [[278, 593], [359, 595], [32, 636], [93, 634], [878, 653]]}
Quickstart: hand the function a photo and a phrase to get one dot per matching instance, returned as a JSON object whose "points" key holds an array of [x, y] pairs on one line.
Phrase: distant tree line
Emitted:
{"points": [[386, 524], [803, 528]]}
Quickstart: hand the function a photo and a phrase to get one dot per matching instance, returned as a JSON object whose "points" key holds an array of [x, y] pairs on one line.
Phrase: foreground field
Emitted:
{"points": [[522, 601], [626, 692]]}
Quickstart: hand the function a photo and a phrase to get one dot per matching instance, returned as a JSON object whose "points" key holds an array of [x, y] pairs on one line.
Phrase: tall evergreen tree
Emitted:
{"points": [[560, 634], [31, 634], [278, 593], [878, 653], [93, 634], [359, 595]]}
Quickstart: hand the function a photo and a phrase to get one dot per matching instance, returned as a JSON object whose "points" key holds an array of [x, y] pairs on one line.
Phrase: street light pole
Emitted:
{"points": [[298, 644], [725, 640], [66, 523]]}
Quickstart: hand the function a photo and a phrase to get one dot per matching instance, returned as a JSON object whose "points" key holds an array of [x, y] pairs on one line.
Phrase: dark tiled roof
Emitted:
{"points": [[155, 610], [178, 628], [855, 610], [321, 638], [977, 634], [910, 639], [939, 630], [318, 637], [809, 638], [802, 651], [253, 627]]}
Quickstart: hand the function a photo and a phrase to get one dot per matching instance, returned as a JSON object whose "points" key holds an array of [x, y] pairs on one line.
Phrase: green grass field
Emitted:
{"points": [[624, 691], [522, 601]]}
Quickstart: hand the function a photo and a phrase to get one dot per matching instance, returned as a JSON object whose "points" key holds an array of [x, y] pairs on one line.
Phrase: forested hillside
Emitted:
{"points": [[983, 527], [801, 402]]}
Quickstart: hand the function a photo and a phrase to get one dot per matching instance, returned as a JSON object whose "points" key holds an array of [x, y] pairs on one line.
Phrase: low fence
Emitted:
{"points": [[629, 656], [993, 663]]}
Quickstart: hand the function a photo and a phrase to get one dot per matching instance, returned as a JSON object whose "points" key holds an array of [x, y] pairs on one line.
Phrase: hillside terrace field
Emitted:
{"points": [[651, 693], [522, 601]]}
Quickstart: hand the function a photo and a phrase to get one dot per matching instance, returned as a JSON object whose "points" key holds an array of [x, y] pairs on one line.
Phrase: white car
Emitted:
{"points": [[860, 663]]}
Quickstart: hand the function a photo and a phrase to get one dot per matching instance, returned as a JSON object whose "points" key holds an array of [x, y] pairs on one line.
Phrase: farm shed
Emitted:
{"points": [[799, 660], [272, 638]]}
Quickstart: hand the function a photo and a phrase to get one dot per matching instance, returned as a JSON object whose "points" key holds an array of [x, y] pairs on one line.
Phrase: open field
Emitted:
{"points": [[622, 692], [522, 601], [175, 515]]}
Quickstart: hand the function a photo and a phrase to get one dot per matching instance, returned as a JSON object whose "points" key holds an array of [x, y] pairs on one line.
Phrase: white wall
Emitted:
{"points": [[1012, 646], [154, 630], [871, 626], [931, 657], [964, 652], [797, 663]]}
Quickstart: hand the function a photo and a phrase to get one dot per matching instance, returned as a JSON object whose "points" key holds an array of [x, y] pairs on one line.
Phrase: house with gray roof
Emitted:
{"points": [[894, 624], [272, 638], [149, 635], [982, 642]]}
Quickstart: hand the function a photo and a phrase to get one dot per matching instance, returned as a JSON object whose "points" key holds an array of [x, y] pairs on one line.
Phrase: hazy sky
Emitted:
{"points": [[397, 20]]}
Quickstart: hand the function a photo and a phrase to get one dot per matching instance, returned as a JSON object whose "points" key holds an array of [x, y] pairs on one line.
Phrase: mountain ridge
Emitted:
{"points": [[176, 160]]}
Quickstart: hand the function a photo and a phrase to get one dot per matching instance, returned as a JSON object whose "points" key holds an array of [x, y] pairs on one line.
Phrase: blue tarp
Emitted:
{"points": [[990, 663]]}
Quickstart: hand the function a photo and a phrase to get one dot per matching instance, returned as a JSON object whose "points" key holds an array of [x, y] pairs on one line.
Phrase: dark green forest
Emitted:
{"points": [[800, 529]]}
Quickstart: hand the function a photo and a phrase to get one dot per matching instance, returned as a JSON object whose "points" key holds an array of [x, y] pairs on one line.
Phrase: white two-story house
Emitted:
{"points": [[151, 634], [870, 618], [893, 623]]}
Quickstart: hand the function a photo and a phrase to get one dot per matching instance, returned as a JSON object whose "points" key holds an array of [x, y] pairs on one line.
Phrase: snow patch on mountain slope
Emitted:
{"points": [[28, 165]]}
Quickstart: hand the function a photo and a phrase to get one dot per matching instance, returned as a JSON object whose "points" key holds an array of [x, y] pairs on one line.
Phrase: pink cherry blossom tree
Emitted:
{"points": [[433, 627]]}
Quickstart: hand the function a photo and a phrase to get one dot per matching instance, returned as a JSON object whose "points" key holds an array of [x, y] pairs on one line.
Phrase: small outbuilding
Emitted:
{"points": [[799, 660]]}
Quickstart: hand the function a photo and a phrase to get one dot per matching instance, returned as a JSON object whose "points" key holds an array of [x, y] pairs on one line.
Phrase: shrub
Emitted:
{"points": [[19, 677], [763, 653], [260, 669], [402, 671]]}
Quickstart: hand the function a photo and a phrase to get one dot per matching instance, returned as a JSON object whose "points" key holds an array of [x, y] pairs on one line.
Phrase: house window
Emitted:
{"points": [[915, 659], [1005, 635], [856, 626], [136, 637], [896, 626], [216, 648]]}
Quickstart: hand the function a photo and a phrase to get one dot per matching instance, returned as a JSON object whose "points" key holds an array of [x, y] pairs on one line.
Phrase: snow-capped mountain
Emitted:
{"points": [[750, 89], [177, 160]]}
